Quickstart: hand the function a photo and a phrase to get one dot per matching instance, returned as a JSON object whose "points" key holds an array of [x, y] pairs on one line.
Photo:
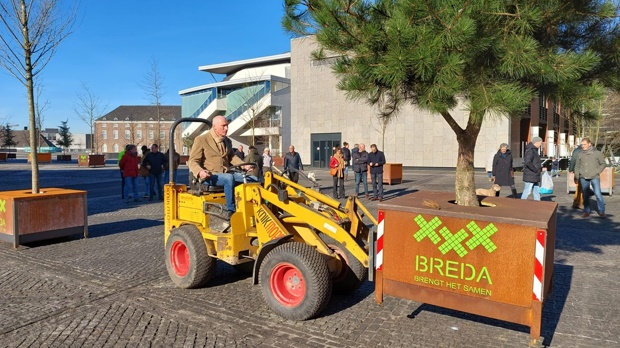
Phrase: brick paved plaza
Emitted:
{"points": [[112, 289]]}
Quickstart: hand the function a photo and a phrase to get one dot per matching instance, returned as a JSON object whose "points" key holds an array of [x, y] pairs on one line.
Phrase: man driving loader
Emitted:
{"points": [[211, 155]]}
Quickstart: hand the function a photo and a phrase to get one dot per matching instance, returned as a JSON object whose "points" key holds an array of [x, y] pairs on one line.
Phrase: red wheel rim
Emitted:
{"points": [[179, 258], [287, 284]]}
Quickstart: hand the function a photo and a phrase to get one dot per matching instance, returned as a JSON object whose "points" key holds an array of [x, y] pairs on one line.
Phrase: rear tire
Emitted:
{"points": [[187, 261], [352, 272], [295, 281]]}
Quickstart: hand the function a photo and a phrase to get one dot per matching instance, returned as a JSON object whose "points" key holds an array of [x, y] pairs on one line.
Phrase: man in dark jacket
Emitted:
{"points": [[239, 152], [155, 162], [578, 198], [292, 163], [588, 169], [532, 169], [376, 160], [360, 167], [346, 154]]}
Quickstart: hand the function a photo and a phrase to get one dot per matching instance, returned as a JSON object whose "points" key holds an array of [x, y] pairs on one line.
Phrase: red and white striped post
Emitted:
{"points": [[539, 262]]}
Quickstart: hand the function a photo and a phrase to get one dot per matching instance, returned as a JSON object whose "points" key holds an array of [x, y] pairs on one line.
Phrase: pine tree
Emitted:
{"points": [[495, 56], [66, 139], [8, 136]]}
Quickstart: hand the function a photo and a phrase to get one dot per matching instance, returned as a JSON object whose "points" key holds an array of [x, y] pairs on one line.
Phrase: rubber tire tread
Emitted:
{"points": [[356, 272], [202, 266], [315, 271]]}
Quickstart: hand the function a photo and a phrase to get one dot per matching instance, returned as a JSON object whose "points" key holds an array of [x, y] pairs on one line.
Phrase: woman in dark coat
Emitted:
{"points": [[503, 173]]}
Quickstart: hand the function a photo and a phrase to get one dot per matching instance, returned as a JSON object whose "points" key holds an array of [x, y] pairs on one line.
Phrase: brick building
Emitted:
{"points": [[139, 125]]}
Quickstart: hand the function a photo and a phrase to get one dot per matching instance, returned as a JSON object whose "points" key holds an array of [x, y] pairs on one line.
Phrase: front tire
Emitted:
{"points": [[187, 261], [295, 281]]}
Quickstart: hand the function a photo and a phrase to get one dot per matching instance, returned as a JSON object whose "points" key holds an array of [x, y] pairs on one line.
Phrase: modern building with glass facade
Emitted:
{"points": [[254, 96]]}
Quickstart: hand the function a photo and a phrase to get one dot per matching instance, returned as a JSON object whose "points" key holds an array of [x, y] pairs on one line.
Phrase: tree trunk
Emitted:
{"points": [[465, 187]]}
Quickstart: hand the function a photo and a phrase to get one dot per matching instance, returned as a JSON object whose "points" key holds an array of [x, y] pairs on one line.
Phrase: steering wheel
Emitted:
{"points": [[238, 168]]}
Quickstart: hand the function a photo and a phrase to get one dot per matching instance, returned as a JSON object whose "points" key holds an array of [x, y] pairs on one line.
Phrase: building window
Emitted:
{"points": [[104, 148], [126, 125], [104, 134], [127, 134], [139, 125], [162, 135], [116, 125], [151, 135], [151, 125], [139, 133], [115, 134], [104, 125], [115, 147]]}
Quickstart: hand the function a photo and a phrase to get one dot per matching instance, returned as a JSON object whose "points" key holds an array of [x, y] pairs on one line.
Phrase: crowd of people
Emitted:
{"points": [[586, 163]]}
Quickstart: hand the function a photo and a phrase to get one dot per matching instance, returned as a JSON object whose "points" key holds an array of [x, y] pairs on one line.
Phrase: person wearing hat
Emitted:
{"points": [[532, 169]]}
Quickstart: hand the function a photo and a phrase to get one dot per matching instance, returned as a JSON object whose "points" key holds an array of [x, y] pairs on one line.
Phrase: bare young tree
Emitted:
{"points": [[30, 33], [89, 108], [153, 85]]}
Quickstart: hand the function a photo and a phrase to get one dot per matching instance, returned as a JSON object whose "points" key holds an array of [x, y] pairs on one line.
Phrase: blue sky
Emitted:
{"points": [[115, 41]]}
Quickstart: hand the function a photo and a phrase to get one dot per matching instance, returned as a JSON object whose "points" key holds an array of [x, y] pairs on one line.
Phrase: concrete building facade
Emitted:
{"points": [[323, 117]]}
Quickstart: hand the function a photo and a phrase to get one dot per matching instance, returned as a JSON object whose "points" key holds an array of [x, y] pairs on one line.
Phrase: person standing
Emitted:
{"points": [[120, 156], [360, 167], [129, 165], [254, 157], [239, 152], [555, 167], [337, 162], [354, 151], [176, 158], [532, 168], [376, 160], [588, 169], [292, 164], [502, 170], [578, 197], [155, 162], [144, 171], [267, 161], [346, 154]]}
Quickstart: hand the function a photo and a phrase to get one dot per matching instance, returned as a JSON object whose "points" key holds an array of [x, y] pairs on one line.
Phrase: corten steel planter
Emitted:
{"points": [[3, 156], [27, 217], [278, 161], [91, 160], [184, 159], [63, 158], [391, 172], [44, 157], [607, 181], [491, 261]]}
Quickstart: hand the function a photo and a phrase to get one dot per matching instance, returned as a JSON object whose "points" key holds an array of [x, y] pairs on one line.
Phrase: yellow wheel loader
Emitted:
{"points": [[299, 243]]}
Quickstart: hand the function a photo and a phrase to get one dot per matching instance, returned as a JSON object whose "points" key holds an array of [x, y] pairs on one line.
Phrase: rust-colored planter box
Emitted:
{"points": [[3, 156], [44, 157], [491, 261], [91, 160], [278, 161], [26, 217], [607, 181], [391, 172], [184, 159]]}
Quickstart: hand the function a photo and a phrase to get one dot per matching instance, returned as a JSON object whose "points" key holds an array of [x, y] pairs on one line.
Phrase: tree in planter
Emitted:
{"points": [[8, 136], [30, 33], [66, 139], [494, 56]]}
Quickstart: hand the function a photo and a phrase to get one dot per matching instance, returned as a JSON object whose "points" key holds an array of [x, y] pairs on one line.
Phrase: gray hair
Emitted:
{"points": [[502, 145]]}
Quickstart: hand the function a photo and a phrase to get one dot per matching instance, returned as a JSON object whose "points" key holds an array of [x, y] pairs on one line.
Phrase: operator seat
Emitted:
{"points": [[199, 189]]}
